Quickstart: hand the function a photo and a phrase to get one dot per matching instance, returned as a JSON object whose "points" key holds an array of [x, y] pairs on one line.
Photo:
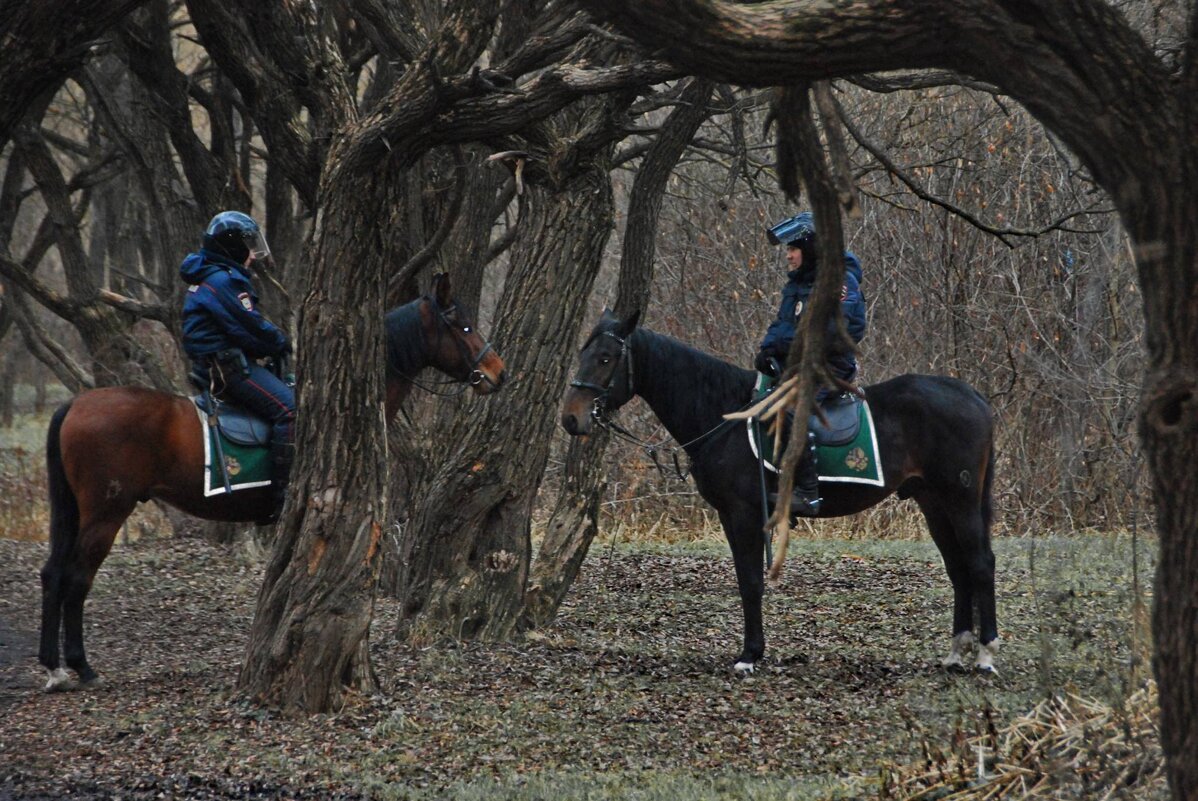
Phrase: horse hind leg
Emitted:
{"points": [[95, 541], [941, 526], [59, 679]]}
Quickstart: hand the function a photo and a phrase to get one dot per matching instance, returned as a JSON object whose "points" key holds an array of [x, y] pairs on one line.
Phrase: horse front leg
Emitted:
{"points": [[747, 542]]}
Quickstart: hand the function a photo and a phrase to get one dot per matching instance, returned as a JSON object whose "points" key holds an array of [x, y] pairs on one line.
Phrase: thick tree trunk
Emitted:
{"points": [[309, 636], [467, 546], [1169, 429]]}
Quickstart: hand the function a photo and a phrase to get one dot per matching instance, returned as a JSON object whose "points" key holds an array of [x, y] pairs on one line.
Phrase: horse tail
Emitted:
{"points": [[64, 532], [64, 508]]}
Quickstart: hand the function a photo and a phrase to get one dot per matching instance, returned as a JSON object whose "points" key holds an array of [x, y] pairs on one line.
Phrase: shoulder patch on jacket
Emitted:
{"points": [[246, 301]]}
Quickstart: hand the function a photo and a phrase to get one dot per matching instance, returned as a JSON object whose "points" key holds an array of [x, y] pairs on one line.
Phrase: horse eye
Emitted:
{"points": [[465, 329], [604, 360]]}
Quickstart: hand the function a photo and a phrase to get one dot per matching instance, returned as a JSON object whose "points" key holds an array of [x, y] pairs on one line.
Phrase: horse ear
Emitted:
{"points": [[628, 326], [441, 290]]}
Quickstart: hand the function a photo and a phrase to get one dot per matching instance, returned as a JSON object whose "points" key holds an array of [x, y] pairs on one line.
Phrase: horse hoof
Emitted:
{"points": [[60, 682], [986, 654], [744, 668], [953, 662]]}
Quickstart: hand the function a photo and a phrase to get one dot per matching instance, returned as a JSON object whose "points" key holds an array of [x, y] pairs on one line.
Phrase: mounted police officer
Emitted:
{"points": [[798, 234], [225, 333]]}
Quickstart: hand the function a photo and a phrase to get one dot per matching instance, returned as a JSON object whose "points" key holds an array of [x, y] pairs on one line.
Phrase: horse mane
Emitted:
{"points": [[696, 383], [405, 339]]}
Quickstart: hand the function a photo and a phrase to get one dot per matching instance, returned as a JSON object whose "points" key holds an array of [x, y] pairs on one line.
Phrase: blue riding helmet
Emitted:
{"points": [[237, 235], [792, 230]]}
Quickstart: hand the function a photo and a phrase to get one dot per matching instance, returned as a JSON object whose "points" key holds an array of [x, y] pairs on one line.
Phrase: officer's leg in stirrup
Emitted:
{"points": [[282, 454], [805, 501]]}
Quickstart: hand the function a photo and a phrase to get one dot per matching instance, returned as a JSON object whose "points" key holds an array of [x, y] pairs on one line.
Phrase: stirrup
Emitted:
{"points": [[801, 504], [805, 504]]}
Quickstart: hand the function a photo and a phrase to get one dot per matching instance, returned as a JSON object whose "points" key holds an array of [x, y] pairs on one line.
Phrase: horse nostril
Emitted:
{"points": [[570, 423], [502, 377]]}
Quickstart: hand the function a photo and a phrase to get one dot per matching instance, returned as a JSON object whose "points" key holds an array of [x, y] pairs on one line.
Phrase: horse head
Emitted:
{"points": [[604, 381], [453, 344]]}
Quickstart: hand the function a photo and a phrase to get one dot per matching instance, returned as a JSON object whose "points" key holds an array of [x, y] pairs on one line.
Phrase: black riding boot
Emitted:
{"points": [[805, 500], [281, 456]]}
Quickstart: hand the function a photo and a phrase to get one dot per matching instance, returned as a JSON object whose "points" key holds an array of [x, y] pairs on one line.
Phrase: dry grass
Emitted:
{"points": [[24, 514], [1066, 747]]}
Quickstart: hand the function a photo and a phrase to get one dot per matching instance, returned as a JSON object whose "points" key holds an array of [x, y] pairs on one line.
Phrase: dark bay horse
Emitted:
{"points": [[935, 442], [109, 449]]}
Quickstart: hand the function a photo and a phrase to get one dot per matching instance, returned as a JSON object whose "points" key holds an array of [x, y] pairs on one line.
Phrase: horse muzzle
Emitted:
{"points": [[488, 374], [577, 415]]}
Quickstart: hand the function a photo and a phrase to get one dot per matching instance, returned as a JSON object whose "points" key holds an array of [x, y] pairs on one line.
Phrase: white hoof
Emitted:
{"points": [[986, 654], [744, 668], [60, 681], [956, 657]]}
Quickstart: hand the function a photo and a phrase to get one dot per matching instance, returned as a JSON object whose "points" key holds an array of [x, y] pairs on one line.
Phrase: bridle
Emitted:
{"points": [[603, 393], [599, 408], [476, 376]]}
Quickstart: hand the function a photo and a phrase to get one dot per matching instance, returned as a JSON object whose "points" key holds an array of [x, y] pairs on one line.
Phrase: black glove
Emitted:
{"points": [[767, 363]]}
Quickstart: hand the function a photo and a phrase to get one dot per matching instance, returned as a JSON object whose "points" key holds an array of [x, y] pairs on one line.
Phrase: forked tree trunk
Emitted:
{"points": [[467, 547], [574, 521]]}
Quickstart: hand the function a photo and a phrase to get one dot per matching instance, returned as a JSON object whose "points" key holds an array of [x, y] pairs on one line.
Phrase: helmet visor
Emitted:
{"points": [[787, 231], [255, 241]]}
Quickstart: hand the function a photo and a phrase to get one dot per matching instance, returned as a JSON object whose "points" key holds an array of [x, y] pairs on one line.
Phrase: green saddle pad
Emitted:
{"points": [[248, 466], [855, 462]]}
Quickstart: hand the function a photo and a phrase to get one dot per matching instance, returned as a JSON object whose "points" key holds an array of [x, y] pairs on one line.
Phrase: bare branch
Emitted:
{"points": [[916, 189]]}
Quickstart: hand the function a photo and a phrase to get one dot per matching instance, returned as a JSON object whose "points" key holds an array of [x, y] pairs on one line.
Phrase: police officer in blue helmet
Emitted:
{"points": [[798, 234], [225, 334]]}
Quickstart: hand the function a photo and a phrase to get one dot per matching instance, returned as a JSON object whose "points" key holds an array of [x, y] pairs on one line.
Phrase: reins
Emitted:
{"points": [[599, 408]]}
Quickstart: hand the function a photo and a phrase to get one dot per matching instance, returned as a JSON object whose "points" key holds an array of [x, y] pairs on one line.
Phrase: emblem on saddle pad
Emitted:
{"points": [[232, 466], [856, 460]]}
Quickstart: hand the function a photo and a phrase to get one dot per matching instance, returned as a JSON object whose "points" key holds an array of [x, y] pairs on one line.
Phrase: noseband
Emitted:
{"points": [[476, 376], [603, 393]]}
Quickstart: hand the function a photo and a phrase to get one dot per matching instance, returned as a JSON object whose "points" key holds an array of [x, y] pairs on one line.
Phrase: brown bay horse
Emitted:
{"points": [[109, 449], [934, 437]]}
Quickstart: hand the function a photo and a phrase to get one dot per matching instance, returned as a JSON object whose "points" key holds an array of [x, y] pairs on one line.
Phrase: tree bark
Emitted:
{"points": [[43, 43], [467, 547], [574, 521], [307, 641]]}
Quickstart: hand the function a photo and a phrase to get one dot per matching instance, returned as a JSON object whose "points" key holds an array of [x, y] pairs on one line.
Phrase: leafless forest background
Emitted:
{"points": [[988, 255]]}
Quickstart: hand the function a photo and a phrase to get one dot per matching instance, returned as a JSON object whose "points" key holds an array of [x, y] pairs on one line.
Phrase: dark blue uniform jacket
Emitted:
{"points": [[221, 311], [795, 294]]}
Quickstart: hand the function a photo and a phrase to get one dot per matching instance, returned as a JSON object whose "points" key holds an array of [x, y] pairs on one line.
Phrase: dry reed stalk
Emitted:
{"points": [[1062, 741]]}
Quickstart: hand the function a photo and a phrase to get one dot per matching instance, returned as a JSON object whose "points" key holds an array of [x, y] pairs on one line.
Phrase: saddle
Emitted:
{"points": [[836, 423], [236, 423], [843, 421]]}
